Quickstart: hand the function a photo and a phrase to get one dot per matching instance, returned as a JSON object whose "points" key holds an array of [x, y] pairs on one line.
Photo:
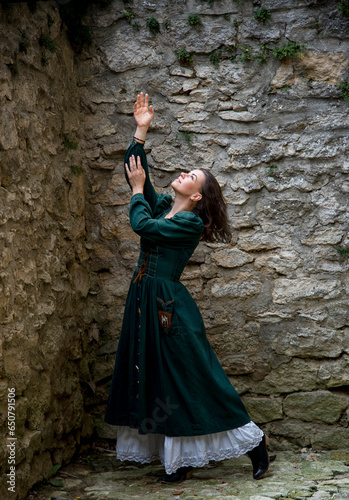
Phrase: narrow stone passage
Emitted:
{"points": [[293, 475]]}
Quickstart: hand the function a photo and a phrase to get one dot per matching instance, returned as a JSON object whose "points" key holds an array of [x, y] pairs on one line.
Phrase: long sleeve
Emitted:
{"points": [[137, 149], [184, 227]]}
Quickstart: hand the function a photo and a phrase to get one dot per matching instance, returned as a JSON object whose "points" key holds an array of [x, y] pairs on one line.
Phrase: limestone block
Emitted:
{"points": [[330, 439], [117, 192], [189, 116], [118, 227], [39, 396], [129, 250], [56, 199], [21, 415], [5, 88], [105, 19], [248, 183], [327, 68], [251, 28], [76, 196], [259, 241], [306, 342], [334, 373], [243, 286], [182, 71], [139, 53], [191, 272], [244, 146], [30, 443], [236, 364], [104, 430], [263, 410], [11, 167], [294, 289], [296, 432], [232, 257], [80, 279], [167, 157], [313, 406], [330, 236], [242, 116], [190, 85], [282, 262], [200, 95], [103, 367], [238, 198], [8, 130], [292, 376], [180, 99]]}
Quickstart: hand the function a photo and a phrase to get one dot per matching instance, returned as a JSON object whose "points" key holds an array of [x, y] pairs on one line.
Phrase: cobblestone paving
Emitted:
{"points": [[298, 476]]}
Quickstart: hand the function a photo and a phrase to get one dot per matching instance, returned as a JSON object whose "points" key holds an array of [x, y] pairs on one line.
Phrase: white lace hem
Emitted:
{"points": [[183, 451]]}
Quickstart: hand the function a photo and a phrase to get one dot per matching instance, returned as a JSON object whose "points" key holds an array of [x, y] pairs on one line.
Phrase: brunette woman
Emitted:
{"points": [[169, 395]]}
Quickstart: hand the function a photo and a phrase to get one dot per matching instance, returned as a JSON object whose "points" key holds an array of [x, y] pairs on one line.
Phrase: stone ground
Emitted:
{"points": [[96, 475]]}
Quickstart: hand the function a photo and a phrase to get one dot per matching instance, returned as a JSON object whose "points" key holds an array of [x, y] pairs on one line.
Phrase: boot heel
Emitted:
{"points": [[260, 459]]}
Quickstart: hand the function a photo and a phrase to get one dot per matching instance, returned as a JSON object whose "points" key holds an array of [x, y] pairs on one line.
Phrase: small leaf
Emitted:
{"points": [[54, 469], [58, 483]]}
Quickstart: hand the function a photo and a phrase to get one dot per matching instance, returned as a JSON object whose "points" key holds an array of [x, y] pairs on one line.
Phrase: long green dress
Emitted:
{"points": [[167, 379]]}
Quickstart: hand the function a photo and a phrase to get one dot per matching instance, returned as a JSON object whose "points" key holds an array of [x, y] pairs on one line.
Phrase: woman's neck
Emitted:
{"points": [[180, 205]]}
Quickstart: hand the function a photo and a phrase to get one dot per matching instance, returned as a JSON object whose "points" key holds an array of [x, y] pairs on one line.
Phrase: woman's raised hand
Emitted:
{"points": [[136, 174], [143, 113]]}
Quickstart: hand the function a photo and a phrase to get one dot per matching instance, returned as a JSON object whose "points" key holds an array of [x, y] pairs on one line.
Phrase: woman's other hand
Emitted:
{"points": [[143, 113], [136, 174]]}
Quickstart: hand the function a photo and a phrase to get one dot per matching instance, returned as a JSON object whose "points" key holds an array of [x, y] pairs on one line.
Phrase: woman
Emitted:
{"points": [[169, 394]]}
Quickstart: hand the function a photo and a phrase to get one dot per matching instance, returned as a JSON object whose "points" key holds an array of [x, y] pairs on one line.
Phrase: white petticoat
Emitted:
{"points": [[196, 451]]}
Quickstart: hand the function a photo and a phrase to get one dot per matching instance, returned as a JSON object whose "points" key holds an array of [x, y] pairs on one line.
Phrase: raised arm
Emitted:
{"points": [[143, 114]]}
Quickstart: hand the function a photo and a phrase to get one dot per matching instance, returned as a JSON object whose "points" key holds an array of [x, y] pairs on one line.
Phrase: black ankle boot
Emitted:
{"points": [[260, 459], [180, 475]]}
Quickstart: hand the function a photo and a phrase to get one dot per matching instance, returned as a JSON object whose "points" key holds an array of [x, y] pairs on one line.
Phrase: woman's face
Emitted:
{"points": [[188, 184]]}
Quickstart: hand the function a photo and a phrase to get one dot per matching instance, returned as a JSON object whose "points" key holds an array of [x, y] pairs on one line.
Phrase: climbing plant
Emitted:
{"points": [[289, 50], [262, 15]]}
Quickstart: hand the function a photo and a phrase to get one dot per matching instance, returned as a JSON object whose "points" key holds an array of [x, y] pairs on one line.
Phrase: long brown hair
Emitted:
{"points": [[212, 209]]}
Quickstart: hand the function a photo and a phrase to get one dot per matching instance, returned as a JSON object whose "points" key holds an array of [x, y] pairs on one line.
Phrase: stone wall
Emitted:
{"points": [[275, 132], [44, 276]]}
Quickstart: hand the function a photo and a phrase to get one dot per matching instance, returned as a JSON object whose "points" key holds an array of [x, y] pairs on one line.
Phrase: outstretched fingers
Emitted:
{"points": [[143, 102], [134, 167], [136, 174]]}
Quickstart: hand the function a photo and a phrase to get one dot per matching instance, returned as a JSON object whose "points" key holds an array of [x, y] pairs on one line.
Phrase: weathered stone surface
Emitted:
{"points": [[241, 287], [302, 288], [258, 242], [289, 377], [300, 474], [8, 130], [315, 406], [232, 258], [275, 135], [331, 439], [305, 342], [330, 236], [326, 68], [44, 279], [264, 410]]}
